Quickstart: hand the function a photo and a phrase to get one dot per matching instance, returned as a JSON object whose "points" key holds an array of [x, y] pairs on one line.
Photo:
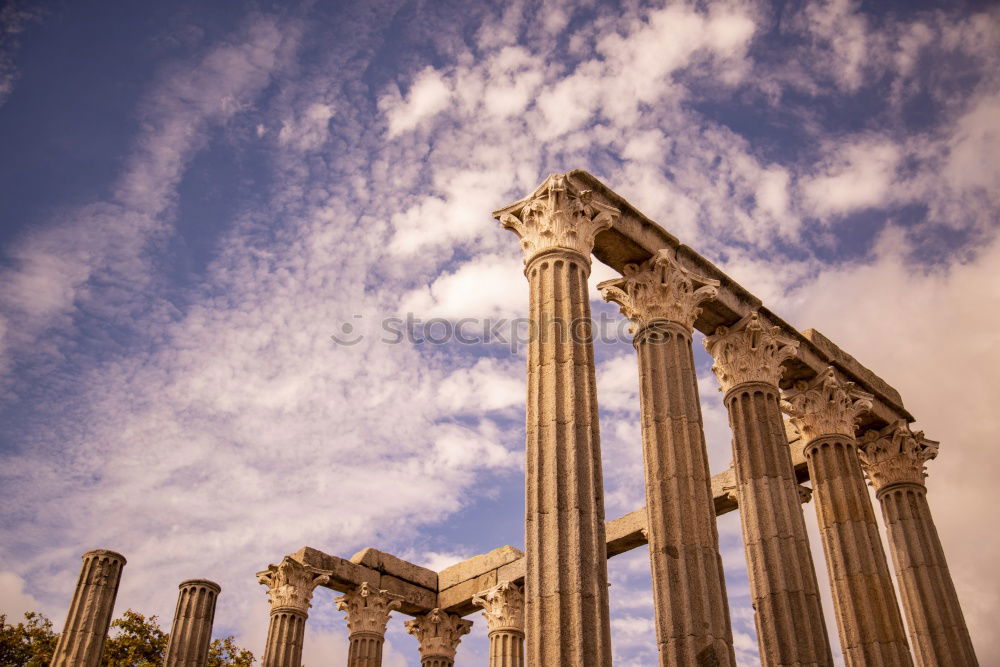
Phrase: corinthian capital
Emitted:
{"points": [[895, 455], [367, 609], [825, 406], [290, 584], [557, 215], [659, 289], [749, 352], [439, 633], [503, 607]]}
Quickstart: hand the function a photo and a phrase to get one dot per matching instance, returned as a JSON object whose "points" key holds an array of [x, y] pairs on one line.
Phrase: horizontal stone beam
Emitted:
{"points": [[634, 238]]}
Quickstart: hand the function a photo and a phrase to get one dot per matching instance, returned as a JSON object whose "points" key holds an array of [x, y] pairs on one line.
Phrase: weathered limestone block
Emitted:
{"points": [[82, 640], [788, 614], [439, 635], [662, 300], [566, 587], [503, 607], [894, 460], [871, 629], [290, 586], [368, 612], [191, 632]]}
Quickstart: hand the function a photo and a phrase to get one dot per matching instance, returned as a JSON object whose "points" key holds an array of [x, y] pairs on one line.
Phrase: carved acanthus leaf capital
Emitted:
{"points": [[367, 609], [290, 584], [825, 406], [503, 607], [659, 289], [439, 633], [805, 493], [749, 351], [895, 455], [558, 216]]}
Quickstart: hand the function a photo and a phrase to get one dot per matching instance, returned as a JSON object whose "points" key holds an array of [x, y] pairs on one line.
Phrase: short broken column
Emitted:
{"points": [[290, 587], [439, 634], [894, 460], [503, 608], [662, 300], [191, 631], [825, 411], [82, 640], [368, 612], [788, 613], [567, 618]]}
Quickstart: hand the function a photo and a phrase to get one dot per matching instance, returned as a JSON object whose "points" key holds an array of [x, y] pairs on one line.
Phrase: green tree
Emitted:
{"points": [[30, 643], [225, 653], [135, 641], [138, 642]]}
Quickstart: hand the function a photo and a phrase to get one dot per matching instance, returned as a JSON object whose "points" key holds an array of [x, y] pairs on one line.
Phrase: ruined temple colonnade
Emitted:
{"points": [[548, 606]]}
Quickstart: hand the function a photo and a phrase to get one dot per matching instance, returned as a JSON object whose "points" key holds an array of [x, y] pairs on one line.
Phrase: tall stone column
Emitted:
{"points": [[871, 629], [367, 615], [788, 613], [191, 632], [503, 608], [893, 460], [82, 640], [662, 299], [439, 634], [566, 583], [290, 586]]}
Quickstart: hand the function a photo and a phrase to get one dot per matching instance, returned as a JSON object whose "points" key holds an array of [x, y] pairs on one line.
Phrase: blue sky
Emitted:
{"points": [[194, 196]]}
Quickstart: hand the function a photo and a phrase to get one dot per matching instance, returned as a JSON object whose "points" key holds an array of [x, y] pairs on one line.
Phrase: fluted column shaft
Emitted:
{"points": [[503, 608], [938, 633], [191, 632], [567, 615], [506, 648], [285, 637], [82, 640], [788, 613], [689, 592], [365, 649], [868, 619]]}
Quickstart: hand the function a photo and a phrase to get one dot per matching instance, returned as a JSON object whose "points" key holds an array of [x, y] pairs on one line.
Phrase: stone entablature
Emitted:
{"points": [[367, 609], [749, 351], [557, 216], [895, 455], [439, 633], [659, 289], [290, 584], [503, 607], [826, 406]]}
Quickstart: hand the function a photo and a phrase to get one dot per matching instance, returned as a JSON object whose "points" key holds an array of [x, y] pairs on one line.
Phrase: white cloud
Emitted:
{"points": [[859, 175], [429, 94]]}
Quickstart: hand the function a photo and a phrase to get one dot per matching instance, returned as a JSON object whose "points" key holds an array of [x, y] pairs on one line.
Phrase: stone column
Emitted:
{"points": [[893, 460], [503, 607], [439, 634], [566, 582], [290, 587], [191, 632], [825, 411], [367, 615], [662, 299], [82, 640], [788, 613]]}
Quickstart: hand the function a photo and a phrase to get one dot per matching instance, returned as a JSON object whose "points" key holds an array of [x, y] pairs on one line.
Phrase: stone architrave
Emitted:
{"points": [[368, 612], [82, 640], [894, 461], [788, 612], [825, 411], [566, 584], [290, 587], [503, 608], [439, 634], [191, 631], [662, 300]]}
